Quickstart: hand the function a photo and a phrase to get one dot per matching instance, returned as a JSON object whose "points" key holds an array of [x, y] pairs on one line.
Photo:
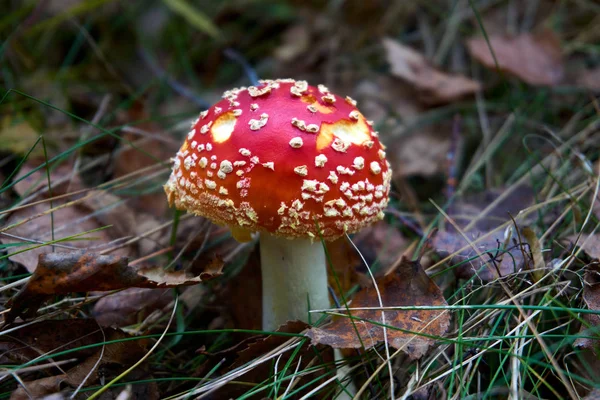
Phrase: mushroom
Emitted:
{"points": [[294, 162]]}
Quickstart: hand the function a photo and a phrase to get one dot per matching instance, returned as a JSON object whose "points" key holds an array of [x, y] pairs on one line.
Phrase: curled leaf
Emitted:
{"points": [[62, 273]]}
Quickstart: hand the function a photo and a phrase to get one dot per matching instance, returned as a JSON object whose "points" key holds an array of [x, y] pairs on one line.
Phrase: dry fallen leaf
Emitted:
{"points": [[589, 244], [421, 151], [493, 261], [379, 243], [61, 179], [345, 261], [143, 152], [126, 221], [409, 285], [96, 209], [382, 95], [591, 298], [590, 79], [424, 153], [64, 222], [226, 356], [261, 346], [124, 308], [433, 86], [257, 346], [109, 209], [62, 273], [58, 388], [245, 286], [29, 341], [534, 58]]}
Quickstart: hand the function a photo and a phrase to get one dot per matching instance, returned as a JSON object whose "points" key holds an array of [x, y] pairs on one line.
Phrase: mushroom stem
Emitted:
{"points": [[293, 273]]}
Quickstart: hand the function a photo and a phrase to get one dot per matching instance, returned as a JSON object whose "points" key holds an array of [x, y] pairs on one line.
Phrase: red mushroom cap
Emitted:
{"points": [[283, 158]]}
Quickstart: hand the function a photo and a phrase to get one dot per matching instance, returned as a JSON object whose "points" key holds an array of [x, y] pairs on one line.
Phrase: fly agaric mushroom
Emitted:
{"points": [[293, 162]]}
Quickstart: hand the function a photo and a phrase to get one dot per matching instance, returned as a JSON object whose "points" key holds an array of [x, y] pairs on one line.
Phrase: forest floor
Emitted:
{"points": [[488, 252]]}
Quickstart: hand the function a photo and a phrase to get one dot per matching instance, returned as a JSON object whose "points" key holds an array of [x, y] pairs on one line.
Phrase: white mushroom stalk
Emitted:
{"points": [[294, 279]]}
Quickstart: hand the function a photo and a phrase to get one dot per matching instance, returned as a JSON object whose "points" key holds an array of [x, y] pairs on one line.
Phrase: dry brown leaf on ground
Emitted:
{"points": [[379, 244], [46, 337], [226, 356], [266, 343], [97, 209], [125, 220], [534, 58], [382, 95], [130, 305], [62, 178], [590, 244], [449, 241], [112, 361], [257, 347], [30, 340], [432, 85], [247, 285], [64, 222], [345, 262], [55, 388], [62, 273], [424, 153], [409, 285], [590, 79], [197, 233], [591, 298], [110, 209], [143, 147], [421, 151]]}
